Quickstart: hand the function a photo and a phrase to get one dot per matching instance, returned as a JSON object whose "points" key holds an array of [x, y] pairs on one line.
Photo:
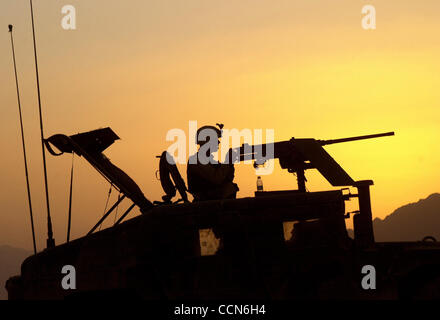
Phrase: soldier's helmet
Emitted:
{"points": [[205, 133]]}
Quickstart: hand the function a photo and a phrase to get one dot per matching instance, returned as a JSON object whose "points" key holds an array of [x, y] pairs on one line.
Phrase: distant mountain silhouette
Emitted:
{"points": [[411, 222], [10, 263]]}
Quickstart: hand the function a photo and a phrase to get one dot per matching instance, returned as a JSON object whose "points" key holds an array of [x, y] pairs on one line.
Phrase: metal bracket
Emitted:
{"points": [[106, 214]]}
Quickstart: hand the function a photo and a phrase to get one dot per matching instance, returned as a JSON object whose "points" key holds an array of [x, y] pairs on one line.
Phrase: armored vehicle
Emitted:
{"points": [[285, 244]]}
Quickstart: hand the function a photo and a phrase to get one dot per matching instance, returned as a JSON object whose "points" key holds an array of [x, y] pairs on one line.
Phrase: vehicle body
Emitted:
{"points": [[158, 255]]}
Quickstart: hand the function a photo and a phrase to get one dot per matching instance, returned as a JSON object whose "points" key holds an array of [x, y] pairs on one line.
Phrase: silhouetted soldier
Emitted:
{"points": [[207, 178]]}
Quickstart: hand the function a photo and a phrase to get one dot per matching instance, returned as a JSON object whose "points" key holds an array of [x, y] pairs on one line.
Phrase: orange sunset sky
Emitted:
{"points": [[303, 68]]}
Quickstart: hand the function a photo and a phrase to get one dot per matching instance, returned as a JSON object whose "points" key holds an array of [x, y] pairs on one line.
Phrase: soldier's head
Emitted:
{"points": [[208, 138]]}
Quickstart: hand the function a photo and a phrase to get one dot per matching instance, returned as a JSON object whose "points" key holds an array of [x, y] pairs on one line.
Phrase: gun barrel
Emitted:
{"points": [[370, 136]]}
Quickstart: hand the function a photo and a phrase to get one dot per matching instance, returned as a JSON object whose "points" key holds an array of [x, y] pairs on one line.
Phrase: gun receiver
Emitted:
{"points": [[298, 155]]}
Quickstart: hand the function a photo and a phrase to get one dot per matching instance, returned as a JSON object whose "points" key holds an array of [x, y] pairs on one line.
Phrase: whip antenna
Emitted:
{"points": [[69, 219], [50, 241], [22, 140]]}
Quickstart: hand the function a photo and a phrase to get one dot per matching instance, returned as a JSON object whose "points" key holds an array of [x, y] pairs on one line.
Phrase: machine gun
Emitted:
{"points": [[298, 155]]}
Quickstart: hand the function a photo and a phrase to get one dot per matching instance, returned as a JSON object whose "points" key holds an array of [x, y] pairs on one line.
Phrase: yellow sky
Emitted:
{"points": [[302, 68]]}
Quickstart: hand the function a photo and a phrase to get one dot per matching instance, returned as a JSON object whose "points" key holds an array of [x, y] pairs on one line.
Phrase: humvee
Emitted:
{"points": [[278, 245]]}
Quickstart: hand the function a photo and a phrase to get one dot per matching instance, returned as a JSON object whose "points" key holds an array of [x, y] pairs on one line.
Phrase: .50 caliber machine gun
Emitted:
{"points": [[298, 155]]}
